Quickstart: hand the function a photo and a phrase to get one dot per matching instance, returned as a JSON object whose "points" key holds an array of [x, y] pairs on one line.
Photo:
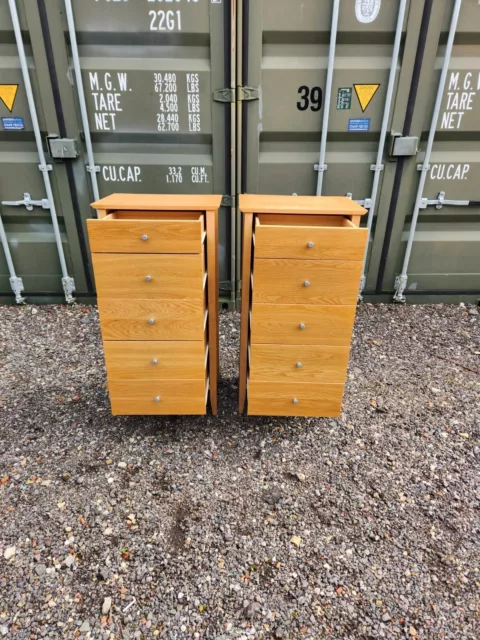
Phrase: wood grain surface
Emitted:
{"points": [[163, 236], [300, 205], [155, 360], [292, 241], [283, 281], [176, 397], [324, 325], [277, 399], [129, 319], [173, 277], [299, 363]]}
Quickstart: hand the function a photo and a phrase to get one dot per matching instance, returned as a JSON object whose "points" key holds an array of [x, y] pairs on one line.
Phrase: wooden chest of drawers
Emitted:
{"points": [[156, 272], [301, 270]]}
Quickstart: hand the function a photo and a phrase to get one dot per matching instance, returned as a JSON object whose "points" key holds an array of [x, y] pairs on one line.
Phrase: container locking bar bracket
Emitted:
{"points": [[441, 201], [27, 202], [228, 201], [320, 168]]}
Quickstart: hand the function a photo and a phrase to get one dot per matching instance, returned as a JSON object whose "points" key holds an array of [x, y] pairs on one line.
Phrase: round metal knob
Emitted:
{"points": [[144, 237], [295, 401], [157, 399], [299, 365], [310, 245], [148, 278], [151, 321], [306, 283], [302, 326], [154, 361]]}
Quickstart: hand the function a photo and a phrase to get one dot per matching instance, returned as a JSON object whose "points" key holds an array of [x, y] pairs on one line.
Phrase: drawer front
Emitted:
{"points": [[155, 360], [327, 282], [310, 242], [302, 324], [140, 319], [145, 236], [294, 399], [168, 277], [298, 363], [158, 397]]}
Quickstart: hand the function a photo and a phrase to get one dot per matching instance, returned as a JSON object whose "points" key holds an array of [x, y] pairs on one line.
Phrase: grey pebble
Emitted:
{"points": [[106, 606]]}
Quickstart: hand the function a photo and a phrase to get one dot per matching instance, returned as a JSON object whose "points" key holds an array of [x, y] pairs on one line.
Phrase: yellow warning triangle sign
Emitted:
{"points": [[365, 93], [8, 93]]}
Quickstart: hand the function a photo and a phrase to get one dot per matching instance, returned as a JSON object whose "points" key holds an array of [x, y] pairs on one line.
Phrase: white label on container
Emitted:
{"points": [[115, 173], [461, 94], [449, 171], [367, 10], [106, 90]]}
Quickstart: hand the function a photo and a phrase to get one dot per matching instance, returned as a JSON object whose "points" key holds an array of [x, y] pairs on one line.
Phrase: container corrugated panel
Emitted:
{"points": [[446, 250]]}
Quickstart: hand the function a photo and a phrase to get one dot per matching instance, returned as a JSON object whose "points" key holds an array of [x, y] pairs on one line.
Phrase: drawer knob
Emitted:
{"points": [[151, 321], [310, 245], [302, 326], [295, 401], [148, 278], [157, 399], [306, 283], [144, 237], [155, 361], [299, 365]]}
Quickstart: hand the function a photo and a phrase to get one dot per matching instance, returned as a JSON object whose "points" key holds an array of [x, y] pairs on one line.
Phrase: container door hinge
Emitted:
{"points": [[400, 286], [228, 201], [226, 286], [68, 288], [27, 202], [241, 94], [247, 94], [62, 148], [17, 287]]}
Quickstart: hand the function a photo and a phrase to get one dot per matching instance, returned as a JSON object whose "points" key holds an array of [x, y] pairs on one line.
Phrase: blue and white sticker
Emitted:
{"points": [[13, 124], [359, 124]]}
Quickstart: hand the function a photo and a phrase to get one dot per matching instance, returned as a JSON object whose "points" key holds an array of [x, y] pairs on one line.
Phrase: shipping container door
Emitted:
{"points": [[29, 231], [149, 69], [445, 255], [286, 56]]}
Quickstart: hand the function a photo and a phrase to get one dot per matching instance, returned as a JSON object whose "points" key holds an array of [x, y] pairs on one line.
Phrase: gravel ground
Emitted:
{"points": [[232, 527]]}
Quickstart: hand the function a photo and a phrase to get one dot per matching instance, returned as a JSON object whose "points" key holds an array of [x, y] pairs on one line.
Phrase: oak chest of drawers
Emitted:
{"points": [[156, 273], [301, 268]]}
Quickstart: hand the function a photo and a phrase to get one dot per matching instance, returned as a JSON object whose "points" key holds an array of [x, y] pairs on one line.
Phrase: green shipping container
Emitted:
{"points": [[374, 99]]}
